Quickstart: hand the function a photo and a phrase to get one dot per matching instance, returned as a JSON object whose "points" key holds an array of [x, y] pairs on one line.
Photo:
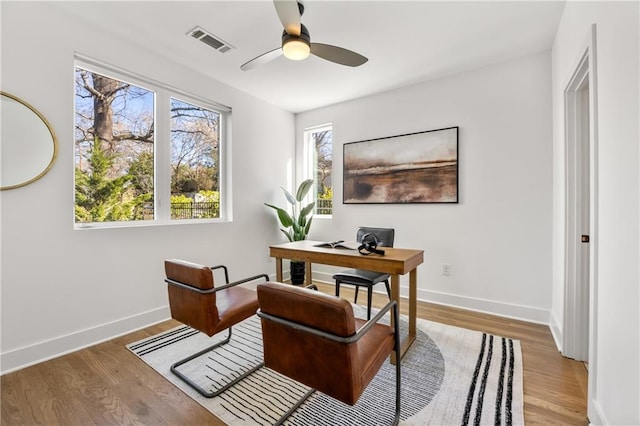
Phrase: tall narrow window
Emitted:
{"points": [[319, 153], [195, 172], [114, 149]]}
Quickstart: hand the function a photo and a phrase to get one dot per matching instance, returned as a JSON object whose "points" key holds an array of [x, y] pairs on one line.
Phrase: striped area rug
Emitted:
{"points": [[450, 376]]}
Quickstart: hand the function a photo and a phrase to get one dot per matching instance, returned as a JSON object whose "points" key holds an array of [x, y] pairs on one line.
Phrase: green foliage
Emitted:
{"points": [[184, 207], [141, 172], [181, 198], [100, 198], [185, 178], [296, 226], [210, 196]]}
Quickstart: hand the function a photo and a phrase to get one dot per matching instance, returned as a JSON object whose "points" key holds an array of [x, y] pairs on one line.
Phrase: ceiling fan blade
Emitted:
{"points": [[289, 15], [262, 59], [338, 55]]}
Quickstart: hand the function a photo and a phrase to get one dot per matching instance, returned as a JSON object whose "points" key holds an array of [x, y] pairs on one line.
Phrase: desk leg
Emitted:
{"points": [[413, 296], [279, 269], [307, 271], [413, 300]]}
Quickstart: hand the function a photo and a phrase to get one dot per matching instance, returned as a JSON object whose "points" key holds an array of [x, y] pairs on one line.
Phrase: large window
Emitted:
{"points": [[319, 159], [144, 153]]}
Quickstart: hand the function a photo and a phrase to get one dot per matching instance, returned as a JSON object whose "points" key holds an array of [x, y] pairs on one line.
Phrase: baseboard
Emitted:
{"points": [[33, 354], [508, 310], [594, 413], [556, 331]]}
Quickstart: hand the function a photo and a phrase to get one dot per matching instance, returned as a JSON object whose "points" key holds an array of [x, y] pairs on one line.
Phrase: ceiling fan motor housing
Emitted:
{"points": [[304, 36]]}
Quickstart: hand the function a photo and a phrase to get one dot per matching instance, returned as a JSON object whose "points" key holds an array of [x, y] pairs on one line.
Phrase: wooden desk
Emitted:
{"points": [[395, 262]]}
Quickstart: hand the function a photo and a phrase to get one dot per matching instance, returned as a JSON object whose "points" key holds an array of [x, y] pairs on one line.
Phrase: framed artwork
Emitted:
{"points": [[419, 167]]}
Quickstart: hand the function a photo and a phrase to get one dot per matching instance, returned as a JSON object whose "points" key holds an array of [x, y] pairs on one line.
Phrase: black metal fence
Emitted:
{"points": [[211, 209], [324, 206], [195, 210]]}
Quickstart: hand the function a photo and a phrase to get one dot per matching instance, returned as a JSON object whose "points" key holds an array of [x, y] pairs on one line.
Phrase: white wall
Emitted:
{"points": [[614, 371], [63, 289], [498, 238]]}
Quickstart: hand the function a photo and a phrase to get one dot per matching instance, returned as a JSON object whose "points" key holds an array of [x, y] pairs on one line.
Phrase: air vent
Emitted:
{"points": [[210, 40]]}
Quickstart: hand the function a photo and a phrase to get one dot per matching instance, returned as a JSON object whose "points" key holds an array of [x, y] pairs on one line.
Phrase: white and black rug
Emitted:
{"points": [[450, 376]]}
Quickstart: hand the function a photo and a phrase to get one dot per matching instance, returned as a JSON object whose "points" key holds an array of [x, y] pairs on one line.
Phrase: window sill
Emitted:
{"points": [[323, 216], [144, 224]]}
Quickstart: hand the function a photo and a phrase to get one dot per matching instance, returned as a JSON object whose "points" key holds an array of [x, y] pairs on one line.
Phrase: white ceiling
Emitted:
{"points": [[406, 42]]}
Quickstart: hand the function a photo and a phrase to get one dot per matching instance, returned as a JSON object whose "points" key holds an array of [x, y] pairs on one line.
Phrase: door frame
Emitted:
{"points": [[577, 209], [580, 302]]}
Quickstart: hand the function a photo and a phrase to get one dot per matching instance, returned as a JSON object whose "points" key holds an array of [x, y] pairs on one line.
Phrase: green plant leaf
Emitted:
{"points": [[306, 230], [298, 232], [303, 189], [305, 212], [285, 219], [289, 196], [288, 234]]}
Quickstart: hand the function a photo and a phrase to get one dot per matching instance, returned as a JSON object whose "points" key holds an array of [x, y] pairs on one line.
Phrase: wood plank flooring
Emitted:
{"points": [[107, 385]]}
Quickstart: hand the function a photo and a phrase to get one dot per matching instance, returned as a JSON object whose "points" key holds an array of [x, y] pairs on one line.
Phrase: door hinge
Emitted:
{"points": [[584, 238]]}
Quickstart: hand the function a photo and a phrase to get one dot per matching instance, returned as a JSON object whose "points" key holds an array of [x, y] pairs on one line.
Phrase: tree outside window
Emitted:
{"points": [[114, 148], [116, 164]]}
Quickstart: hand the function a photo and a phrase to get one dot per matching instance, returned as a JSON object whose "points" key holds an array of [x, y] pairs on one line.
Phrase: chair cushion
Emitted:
{"points": [[360, 277], [235, 304]]}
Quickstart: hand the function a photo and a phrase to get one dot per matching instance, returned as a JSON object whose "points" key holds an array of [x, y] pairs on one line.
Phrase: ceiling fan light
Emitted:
{"points": [[296, 49]]}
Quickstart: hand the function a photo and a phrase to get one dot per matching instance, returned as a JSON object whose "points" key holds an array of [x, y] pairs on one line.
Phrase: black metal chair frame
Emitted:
{"points": [[393, 306], [174, 367]]}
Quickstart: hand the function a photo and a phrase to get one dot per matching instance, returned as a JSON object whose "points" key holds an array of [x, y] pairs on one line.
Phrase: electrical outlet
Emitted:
{"points": [[446, 269]]}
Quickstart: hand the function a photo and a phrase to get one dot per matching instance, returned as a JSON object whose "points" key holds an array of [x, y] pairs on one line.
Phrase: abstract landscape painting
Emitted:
{"points": [[417, 167]]}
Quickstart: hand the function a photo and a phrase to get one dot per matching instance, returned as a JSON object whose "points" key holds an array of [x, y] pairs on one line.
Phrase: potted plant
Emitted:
{"points": [[295, 226]]}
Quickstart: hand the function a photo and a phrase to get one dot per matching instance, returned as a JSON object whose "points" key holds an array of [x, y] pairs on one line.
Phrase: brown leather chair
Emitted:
{"points": [[315, 339], [196, 302]]}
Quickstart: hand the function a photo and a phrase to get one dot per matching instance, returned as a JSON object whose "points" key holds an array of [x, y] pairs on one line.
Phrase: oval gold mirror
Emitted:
{"points": [[28, 146]]}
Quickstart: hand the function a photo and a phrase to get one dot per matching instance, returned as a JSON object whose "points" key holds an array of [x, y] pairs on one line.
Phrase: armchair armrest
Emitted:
{"points": [[226, 272], [242, 281], [215, 289], [392, 305]]}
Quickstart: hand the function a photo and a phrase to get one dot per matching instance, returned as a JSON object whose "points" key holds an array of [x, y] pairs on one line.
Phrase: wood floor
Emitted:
{"points": [[107, 385]]}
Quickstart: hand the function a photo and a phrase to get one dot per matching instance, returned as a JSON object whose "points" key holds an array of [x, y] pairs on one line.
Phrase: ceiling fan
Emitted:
{"points": [[296, 41]]}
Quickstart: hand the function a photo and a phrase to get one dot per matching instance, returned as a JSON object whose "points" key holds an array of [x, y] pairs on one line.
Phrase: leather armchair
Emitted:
{"points": [[195, 301], [315, 339]]}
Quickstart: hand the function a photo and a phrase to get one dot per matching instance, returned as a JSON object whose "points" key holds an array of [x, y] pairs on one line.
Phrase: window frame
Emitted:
{"points": [[309, 168], [163, 93]]}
